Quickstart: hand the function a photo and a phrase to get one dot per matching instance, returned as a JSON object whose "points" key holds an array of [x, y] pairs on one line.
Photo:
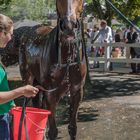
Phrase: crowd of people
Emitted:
{"points": [[105, 33]]}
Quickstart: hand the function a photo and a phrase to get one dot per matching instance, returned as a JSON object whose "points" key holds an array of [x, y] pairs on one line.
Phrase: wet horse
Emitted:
{"points": [[56, 62], [10, 54]]}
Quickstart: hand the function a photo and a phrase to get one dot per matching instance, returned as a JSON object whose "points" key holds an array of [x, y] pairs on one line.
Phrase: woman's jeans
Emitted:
{"points": [[4, 127]]}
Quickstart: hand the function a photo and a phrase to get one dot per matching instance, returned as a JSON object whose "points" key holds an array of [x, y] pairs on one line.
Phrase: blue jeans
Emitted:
{"points": [[4, 127]]}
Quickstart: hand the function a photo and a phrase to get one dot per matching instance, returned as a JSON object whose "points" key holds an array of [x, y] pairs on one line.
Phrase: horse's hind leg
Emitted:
{"points": [[74, 104]]}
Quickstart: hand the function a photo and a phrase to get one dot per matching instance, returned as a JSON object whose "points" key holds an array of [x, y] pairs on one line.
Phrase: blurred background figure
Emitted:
{"points": [[132, 37], [127, 49], [117, 38], [88, 34], [104, 35], [94, 48]]}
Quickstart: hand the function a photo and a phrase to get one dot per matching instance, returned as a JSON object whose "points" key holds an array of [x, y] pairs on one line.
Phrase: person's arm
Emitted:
{"points": [[27, 91], [95, 38]]}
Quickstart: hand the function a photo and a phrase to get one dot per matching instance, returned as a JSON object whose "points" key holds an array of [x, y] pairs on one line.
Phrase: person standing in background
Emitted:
{"points": [[132, 37], [88, 34], [96, 49], [127, 49], [104, 35]]}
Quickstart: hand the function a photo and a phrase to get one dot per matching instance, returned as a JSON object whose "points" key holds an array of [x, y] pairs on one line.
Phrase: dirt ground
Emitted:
{"points": [[110, 109]]}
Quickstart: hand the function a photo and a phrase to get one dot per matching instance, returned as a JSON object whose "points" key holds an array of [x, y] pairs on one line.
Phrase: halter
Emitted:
{"points": [[78, 39]]}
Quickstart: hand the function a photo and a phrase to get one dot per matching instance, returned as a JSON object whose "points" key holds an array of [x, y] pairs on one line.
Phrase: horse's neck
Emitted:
{"points": [[52, 43], [60, 52], [70, 53]]}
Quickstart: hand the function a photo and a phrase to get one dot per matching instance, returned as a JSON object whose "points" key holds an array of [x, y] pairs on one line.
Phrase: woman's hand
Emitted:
{"points": [[29, 91]]}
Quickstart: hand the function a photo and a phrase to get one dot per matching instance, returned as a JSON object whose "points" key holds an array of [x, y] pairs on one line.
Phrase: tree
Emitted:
{"points": [[4, 4], [31, 9], [101, 9]]}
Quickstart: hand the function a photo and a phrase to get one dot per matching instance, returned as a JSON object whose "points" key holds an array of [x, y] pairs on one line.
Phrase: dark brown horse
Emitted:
{"points": [[56, 62], [10, 54]]}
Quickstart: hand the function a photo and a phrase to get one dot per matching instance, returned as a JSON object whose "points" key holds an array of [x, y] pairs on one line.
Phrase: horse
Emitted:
{"points": [[10, 54], [56, 64]]}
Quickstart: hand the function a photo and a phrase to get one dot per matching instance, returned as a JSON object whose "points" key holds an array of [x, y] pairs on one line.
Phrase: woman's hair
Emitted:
{"points": [[5, 23]]}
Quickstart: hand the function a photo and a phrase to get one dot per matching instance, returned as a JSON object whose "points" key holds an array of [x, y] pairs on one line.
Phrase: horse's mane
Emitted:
{"points": [[49, 43]]}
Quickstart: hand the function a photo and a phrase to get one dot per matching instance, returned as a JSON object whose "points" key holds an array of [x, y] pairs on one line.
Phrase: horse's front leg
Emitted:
{"points": [[51, 105], [74, 104]]}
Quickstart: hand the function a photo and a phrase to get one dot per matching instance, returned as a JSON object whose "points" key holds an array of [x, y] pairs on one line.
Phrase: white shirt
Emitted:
{"points": [[105, 34]]}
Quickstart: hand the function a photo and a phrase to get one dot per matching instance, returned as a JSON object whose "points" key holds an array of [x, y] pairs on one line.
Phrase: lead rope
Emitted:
{"points": [[59, 45], [68, 73], [22, 118]]}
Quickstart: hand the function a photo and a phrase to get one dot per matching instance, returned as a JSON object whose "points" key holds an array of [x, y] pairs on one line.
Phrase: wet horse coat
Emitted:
{"points": [[56, 62], [10, 54]]}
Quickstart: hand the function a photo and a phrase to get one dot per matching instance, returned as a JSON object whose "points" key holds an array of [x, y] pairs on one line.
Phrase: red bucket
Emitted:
{"points": [[36, 120]]}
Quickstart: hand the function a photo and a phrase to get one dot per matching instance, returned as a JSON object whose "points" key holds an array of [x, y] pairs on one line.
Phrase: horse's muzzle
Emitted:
{"points": [[67, 25]]}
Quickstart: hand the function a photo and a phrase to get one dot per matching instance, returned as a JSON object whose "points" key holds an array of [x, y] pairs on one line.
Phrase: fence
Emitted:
{"points": [[107, 54]]}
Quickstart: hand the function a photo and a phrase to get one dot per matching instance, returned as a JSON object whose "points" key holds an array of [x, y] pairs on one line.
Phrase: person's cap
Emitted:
{"points": [[103, 22]]}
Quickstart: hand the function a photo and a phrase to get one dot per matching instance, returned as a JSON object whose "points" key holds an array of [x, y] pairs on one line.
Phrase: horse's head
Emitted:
{"points": [[69, 15]]}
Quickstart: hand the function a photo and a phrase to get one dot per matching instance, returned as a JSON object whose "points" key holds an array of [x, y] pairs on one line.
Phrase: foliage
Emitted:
{"points": [[38, 9], [101, 10], [137, 21], [31, 9], [4, 4]]}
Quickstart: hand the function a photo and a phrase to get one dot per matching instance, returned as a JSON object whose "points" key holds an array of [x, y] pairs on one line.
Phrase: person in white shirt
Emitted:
{"points": [[132, 37], [104, 35]]}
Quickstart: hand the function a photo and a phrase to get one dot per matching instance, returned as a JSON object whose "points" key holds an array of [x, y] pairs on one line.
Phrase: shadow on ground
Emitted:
{"points": [[112, 84]]}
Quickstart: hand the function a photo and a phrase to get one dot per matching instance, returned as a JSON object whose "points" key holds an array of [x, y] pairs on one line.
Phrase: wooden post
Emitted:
{"points": [[107, 57]]}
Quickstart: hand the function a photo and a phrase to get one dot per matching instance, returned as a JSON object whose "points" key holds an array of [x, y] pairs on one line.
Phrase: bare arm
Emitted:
{"points": [[95, 38], [27, 91]]}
